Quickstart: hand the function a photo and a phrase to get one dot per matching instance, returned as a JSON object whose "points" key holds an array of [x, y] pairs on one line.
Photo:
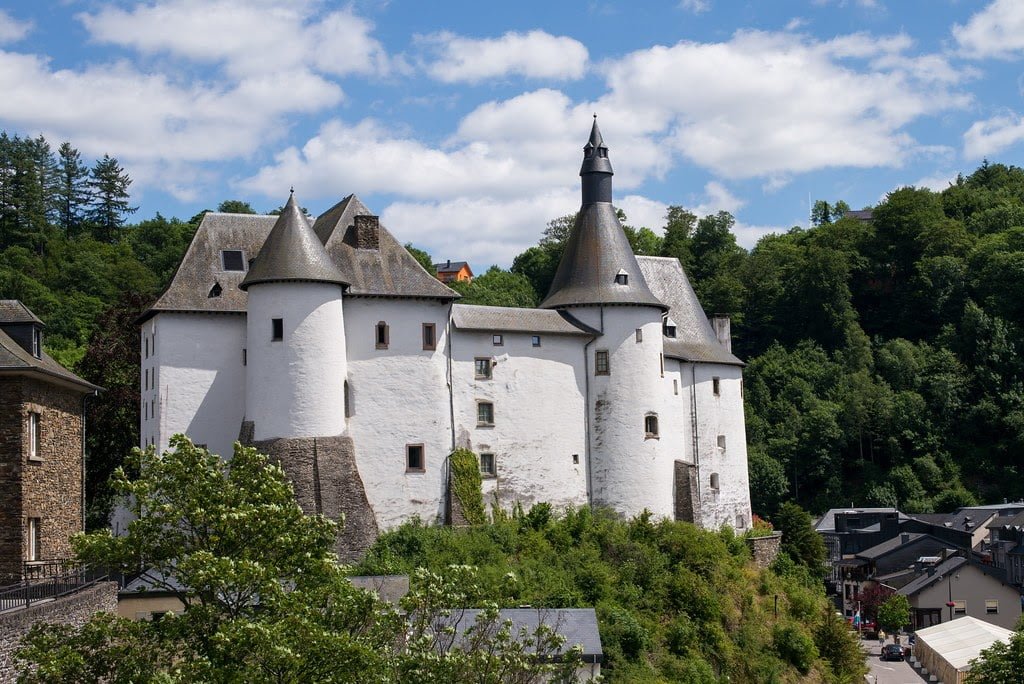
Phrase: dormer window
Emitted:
{"points": [[232, 259], [622, 278], [215, 291], [668, 328]]}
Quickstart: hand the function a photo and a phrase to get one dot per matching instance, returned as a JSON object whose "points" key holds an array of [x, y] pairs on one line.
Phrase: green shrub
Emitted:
{"points": [[466, 485], [795, 646]]}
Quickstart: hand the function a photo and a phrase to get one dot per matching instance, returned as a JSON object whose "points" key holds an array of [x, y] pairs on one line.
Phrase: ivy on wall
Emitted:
{"points": [[467, 485]]}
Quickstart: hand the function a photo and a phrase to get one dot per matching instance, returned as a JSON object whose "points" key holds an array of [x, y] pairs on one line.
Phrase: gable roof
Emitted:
{"points": [[511, 319], [827, 522], [14, 360], [451, 267], [695, 339]]}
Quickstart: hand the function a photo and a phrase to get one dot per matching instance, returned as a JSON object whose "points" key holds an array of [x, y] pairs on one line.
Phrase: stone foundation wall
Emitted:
{"points": [[326, 481], [765, 549], [75, 609], [687, 503]]}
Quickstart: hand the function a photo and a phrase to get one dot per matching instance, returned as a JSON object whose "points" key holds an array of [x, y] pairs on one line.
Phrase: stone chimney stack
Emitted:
{"points": [[723, 329], [367, 232]]}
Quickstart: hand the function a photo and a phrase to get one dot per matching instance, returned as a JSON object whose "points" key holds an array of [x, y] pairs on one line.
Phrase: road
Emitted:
{"points": [[888, 671]]}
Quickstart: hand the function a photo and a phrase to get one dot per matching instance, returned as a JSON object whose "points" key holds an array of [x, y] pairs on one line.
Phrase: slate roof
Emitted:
{"points": [[695, 339], [450, 266], [292, 252], [577, 625], [16, 360], [827, 523], [510, 319], [942, 571], [388, 271], [13, 311]]}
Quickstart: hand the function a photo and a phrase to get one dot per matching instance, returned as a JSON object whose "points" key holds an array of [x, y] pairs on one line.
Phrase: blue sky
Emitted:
{"points": [[462, 123]]}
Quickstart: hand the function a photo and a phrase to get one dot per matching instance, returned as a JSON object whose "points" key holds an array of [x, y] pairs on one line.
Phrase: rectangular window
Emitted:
{"points": [[35, 437], [639, 334], [37, 343], [497, 340], [661, 364], [675, 387], [484, 413], [487, 466], [277, 325], [147, 347], [650, 426], [721, 442], [601, 366], [414, 458], [575, 459], [245, 357], [35, 545], [429, 339], [959, 607], [233, 260], [381, 335], [535, 340], [482, 368], [145, 379], [716, 386], [991, 606]]}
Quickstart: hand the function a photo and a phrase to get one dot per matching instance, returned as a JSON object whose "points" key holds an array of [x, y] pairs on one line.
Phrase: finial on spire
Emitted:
{"points": [[292, 191]]}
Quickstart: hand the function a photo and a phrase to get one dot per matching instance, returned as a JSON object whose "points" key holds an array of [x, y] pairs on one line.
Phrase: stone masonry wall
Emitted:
{"points": [[50, 488], [75, 609], [765, 549], [687, 506]]}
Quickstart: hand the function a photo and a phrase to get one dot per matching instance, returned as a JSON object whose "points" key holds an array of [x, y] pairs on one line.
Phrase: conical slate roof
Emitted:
{"points": [[292, 252], [598, 266]]}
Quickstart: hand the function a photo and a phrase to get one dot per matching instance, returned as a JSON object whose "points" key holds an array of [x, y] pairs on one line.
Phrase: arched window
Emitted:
{"points": [[714, 481], [651, 426]]}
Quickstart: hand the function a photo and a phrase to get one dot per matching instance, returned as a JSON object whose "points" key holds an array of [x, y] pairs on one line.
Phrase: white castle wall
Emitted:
{"points": [[198, 369], [629, 472], [295, 386], [538, 399], [398, 396], [722, 415]]}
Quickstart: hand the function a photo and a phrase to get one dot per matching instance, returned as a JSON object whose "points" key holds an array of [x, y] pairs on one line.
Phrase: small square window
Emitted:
{"points": [[497, 340], [535, 340], [991, 606], [716, 386], [429, 336], [487, 465], [721, 442], [601, 365], [651, 426], [482, 368], [414, 458], [233, 259], [382, 334], [484, 413], [35, 437], [639, 334], [277, 325]]}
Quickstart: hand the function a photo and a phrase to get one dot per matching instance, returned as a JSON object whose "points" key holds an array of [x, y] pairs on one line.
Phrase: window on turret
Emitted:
{"points": [[484, 413], [639, 334], [482, 368], [601, 364], [651, 426], [429, 336], [233, 259], [414, 461], [382, 334], [716, 386], [277, 329], [622, 278]]}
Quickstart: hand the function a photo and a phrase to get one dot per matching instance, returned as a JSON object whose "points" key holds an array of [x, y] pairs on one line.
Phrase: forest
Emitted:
{"points": [[882, 361]]}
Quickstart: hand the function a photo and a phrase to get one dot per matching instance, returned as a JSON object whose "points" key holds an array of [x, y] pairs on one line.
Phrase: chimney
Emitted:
{"points": [[448, 264], [367, 232], [723, 330], [904, 538]]}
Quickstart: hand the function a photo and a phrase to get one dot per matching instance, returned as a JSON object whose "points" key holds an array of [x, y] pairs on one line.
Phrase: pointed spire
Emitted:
{"points": [[292, 252], [597, 168]]}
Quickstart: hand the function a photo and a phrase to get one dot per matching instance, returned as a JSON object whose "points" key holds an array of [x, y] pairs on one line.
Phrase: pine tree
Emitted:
{"points": [[72, 192], [109, 185]]}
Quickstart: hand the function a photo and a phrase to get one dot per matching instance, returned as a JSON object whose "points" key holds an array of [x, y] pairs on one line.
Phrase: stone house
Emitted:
{"points": [[42, 409]]}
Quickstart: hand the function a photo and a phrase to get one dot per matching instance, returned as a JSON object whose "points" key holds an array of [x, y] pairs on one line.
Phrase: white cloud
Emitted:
{"points": [[246, 38], [695, 6], [985, 138], [718, 198], [996, 31], [747, 235], [795, 24], [535, 54], [937, 182], [12, 30], [771, 104], [643, 212]]}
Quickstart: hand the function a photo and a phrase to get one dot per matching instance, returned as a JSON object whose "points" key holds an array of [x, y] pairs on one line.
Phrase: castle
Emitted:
{"points": [[330, 348]]}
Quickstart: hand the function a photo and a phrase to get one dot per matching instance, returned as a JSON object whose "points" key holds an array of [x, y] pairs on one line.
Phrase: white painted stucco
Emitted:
{"points": [[295, 386]]}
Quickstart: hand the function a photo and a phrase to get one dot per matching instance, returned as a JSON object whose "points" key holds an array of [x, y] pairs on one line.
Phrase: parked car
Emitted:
{"points": [[892, 652]]}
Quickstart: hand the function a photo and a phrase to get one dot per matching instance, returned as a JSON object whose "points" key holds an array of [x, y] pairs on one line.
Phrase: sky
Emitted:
{"points": [[462, 123]]}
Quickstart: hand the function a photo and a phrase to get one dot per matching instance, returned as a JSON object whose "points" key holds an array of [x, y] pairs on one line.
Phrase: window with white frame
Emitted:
{"points": [[484, 413], [488, 465], [35, 437]]}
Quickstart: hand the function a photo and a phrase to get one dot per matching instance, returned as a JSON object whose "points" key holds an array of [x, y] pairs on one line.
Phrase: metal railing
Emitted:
{"points": [[48, 587]]}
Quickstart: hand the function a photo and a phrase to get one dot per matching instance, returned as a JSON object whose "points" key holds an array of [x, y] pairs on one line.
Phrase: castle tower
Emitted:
{"points": [[599, 283], [295, 335]]}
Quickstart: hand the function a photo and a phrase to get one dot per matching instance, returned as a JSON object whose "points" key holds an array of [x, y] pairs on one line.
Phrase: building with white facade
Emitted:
{"points": [[330, 348]]}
